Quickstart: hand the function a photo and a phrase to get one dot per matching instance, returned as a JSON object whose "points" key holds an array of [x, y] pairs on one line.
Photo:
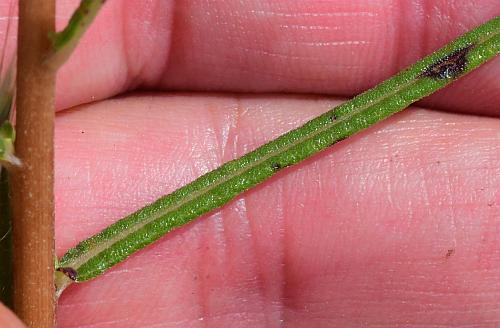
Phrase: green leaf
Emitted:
{"points": [[95, 255], [65, 41], [7, 138]]}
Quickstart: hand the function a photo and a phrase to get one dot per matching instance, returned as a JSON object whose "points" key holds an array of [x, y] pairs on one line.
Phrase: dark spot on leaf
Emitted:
{"points": [[69, 272], [333, 116], [449, 67], [278, 166], [450, 252]]}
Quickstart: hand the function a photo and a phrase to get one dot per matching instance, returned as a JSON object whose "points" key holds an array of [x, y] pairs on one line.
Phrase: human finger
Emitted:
{"points": [[385, 227]]}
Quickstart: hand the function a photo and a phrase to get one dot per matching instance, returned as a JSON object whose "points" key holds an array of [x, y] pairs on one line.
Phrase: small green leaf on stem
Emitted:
{"points": [[7, 138], [95, 255], [65, 41]]}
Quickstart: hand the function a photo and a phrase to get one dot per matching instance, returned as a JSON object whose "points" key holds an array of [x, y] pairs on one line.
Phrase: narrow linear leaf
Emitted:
{"points": [[65, 41], [114, 244]]}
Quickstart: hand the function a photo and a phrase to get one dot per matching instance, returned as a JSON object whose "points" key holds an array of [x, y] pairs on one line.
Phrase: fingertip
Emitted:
{"points": [[8, 319]]}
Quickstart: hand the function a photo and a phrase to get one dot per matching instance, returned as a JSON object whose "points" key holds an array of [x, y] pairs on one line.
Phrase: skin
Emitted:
{"points": [[395, 227]]}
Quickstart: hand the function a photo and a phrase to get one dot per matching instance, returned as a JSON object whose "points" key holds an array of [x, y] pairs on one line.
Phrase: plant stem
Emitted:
{"points": [[32, 185], [95, 255]]}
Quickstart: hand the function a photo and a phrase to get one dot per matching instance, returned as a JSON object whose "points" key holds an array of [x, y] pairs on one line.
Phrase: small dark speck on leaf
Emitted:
{"points": [[69, 272], [449, 67], [276, 166], [450, 252], [82, 131]]}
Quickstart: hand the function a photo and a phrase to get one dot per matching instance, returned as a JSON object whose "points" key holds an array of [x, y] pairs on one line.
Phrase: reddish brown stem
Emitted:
{"points": [[32, 185]]}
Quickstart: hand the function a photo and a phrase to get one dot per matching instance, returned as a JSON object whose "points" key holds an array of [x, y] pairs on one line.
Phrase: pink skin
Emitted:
{"points": [[8, 319], [395, 227]]}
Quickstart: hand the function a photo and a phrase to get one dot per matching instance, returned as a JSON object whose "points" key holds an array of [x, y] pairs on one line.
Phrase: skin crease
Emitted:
{"points": [[395, 227]]}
